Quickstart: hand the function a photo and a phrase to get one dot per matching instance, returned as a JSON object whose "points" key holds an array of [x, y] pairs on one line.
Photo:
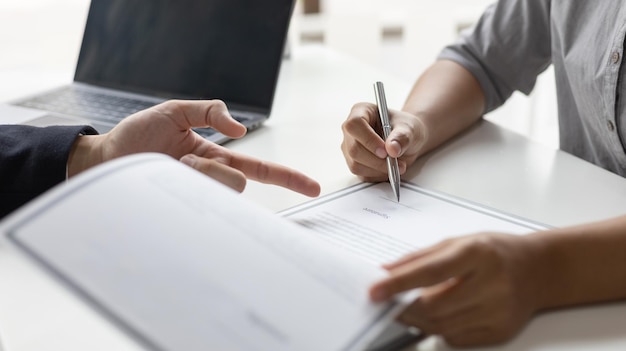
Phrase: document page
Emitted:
{"points": [[182, 263], [367, 220]]}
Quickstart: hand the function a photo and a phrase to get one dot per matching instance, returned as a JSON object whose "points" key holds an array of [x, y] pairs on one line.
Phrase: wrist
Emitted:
{"points": [[83, 154], [555, 276], [539, 271]]}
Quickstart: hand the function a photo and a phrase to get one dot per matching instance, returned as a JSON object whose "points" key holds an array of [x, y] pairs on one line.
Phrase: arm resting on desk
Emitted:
{"points": [[448, 99], [582, 264], [483, 288], [445, 101]]}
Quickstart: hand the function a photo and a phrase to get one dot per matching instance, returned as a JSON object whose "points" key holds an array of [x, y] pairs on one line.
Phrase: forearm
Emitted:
{"points": [[581, 264], [448, 99]]}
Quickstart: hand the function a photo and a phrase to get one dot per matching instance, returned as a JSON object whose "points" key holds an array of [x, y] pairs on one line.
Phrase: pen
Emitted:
{"points": [[392, 163]]}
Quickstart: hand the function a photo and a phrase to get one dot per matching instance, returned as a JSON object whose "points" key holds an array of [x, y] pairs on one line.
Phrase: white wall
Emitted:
{"points": [[399, 36], [403, 37]]}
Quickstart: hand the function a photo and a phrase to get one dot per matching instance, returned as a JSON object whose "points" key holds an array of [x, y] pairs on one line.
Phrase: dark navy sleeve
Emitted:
{"points": [[32, 160]]}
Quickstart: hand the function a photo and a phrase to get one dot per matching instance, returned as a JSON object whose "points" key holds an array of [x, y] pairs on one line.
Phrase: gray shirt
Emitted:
{"points": [[515, 40]]}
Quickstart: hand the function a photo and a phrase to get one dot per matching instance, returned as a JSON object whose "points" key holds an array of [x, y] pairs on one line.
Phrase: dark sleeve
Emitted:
{"points": [[32, 160]]}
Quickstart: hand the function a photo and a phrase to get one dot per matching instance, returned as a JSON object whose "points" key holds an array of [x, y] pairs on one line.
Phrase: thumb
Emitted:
{"points": [[207, 113], [405, 136]]}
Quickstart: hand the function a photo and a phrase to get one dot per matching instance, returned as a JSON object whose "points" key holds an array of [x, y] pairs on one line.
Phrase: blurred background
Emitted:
{"points": [[400, 37]]}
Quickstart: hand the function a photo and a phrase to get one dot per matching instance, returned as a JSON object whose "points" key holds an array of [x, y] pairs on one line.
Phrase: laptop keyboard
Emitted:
{"points": [[96, 106], [87, 104]]}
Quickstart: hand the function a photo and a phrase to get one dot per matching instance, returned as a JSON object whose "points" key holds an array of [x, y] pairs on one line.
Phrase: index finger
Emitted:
{"points": [[431, 269], [276, 174], [362, 125]]}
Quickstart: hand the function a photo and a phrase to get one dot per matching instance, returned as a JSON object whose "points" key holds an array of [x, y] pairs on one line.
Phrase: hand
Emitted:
{"points": [[166, 128], [476, 290], [364, 149]]}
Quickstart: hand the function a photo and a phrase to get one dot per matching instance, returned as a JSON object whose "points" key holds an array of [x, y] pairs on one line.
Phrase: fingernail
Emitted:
{"points": [[396, 146], [379, 294], [381, 153], [189, 160]]}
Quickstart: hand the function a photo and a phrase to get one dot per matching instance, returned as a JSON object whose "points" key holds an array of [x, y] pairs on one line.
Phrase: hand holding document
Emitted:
{"points": [[180, 262], [365, 220]]}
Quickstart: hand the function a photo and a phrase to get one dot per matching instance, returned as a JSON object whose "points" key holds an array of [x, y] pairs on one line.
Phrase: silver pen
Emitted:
{"points": [[392, 163]]}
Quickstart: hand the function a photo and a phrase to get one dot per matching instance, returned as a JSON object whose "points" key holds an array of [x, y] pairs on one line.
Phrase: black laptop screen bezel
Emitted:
{"points": [[112, 55]]}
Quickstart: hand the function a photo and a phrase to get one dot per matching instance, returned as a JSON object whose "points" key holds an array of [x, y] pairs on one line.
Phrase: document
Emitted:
{"points": [[366, 220], [181, 262]]}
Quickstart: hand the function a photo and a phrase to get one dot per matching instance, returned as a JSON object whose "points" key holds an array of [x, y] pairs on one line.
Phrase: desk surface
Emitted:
{"points": [[317, 87]]}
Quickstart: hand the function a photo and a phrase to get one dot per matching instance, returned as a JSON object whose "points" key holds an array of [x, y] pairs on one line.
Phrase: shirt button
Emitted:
{"points": [[610, 125], [615, 57]]}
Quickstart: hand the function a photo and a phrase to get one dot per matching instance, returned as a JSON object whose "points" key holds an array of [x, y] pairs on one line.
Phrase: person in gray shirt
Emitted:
{"points": [[483, 288]]}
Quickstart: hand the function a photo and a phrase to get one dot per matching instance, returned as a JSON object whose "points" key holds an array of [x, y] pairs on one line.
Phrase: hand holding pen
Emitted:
{"points": [[392, 163]]}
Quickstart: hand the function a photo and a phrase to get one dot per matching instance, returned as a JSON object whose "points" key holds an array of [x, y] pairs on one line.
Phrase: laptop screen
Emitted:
{"points": [[225, 49]]}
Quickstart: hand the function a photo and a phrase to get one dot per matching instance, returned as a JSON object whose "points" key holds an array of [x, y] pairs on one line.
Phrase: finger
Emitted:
{"points": [[273, 173], [459, 294], [415, 255], [418, 315], [361, 161], [367, 173], [393, 147], [365, 164], [472, 337], [204, 113], [231, 177], [432, 269], [361, 126]]}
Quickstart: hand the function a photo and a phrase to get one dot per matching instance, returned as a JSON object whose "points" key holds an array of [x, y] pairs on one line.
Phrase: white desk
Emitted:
{"points": [[487, 165]]}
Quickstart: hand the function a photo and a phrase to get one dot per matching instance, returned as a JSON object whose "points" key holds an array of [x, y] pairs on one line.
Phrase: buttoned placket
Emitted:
{"points": [[615, 123]]}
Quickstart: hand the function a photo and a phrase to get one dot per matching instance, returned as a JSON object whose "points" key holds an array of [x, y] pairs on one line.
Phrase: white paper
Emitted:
{"points": [[366, 220], [182, 263]]}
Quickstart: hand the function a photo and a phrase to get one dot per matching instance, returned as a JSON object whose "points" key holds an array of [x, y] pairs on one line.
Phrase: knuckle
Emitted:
{"points": [[359, 107], [219, 102], [484, 246], [207, 165], [171, 104], [351, 126], [263, 171]]}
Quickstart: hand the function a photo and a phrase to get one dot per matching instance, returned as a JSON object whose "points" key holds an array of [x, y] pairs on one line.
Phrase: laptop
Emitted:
{"points": [[138, 53]]}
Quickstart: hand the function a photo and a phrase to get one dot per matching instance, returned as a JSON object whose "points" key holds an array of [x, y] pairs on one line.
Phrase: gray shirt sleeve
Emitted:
{"points": [[507, 49]]}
